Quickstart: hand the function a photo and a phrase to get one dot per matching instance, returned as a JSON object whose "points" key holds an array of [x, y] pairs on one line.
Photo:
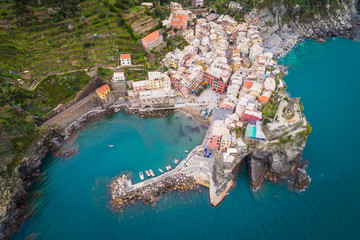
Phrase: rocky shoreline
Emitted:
{"points": [[281, 35], [279, 38], [16, 189], [121, 196]]}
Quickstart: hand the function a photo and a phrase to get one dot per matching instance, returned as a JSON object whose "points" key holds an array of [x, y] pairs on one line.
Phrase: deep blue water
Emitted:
{"points": [[71, 201]]}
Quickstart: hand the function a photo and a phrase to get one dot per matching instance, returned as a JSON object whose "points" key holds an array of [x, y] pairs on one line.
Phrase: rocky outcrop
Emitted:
{"points": [[150, 113], [270, 164], [257, 163], [281, 26], [15, 188]]}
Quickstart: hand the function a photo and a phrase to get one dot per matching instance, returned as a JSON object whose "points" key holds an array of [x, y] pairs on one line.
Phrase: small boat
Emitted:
{"points": [[111, 146], [141, 175], [147, 173], [152, 173], [160, 170], [186, 151], [176, 161], [169, 167]]}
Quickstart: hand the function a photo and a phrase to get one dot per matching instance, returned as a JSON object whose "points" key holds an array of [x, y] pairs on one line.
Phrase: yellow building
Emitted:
{"points": [[102, 91], [172, 64], [230, 27], [156, 80]]}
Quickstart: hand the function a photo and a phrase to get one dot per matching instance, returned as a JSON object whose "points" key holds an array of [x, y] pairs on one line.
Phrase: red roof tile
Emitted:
{"points": [[248, 84], [103, 88], [182, 20], [151, 36], [124, 56]]}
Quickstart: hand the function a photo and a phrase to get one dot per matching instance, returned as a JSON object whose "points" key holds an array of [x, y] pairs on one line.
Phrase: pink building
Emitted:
{"points": [[249, 115], [218, 79], [214, 141], [225, 142], [139, 86], [217, 131], [179, 22], [228, 105], [152, 40]]}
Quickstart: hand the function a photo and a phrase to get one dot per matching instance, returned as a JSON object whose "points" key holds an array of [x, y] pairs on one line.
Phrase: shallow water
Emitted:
{"points": [[71, 201]]}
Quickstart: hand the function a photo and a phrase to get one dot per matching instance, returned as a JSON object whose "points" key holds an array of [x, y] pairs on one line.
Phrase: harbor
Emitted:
{"points": [[194, 169]]}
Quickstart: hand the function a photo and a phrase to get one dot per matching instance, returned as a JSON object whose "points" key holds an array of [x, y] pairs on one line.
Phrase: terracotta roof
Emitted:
{"points": [[103, 88], [151, 36], [182, 20], [124, 56], [248, 84], [264, 99]]}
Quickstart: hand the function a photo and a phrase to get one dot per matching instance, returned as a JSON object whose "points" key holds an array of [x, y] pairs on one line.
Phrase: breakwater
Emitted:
{"points": [[194, 169]]}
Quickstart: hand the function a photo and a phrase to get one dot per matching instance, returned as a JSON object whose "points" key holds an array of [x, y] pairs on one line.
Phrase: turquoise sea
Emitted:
{"points": [[71, 199]]}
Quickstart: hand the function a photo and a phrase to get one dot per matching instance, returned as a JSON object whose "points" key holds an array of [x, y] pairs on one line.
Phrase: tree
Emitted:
{"points": [[147, 12], [165, 34], [175, 30], [87, 45]]}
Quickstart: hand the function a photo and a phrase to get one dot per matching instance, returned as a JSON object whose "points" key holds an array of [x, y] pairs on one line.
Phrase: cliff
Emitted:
{"points": [[283, 25], [14, 188]]}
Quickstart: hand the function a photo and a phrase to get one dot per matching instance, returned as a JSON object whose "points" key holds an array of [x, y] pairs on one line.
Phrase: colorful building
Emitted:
{"points": [[152, 40], [225, 142], [214, 141], [218, 79], [157, 79], [218, 130], [103, 91], [249, 115], [125, 59], [179, 22], [139, 86]]}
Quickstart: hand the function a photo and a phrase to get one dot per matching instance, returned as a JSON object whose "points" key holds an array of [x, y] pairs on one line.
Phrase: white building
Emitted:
{"points": [[118, 77], [125, 59]]}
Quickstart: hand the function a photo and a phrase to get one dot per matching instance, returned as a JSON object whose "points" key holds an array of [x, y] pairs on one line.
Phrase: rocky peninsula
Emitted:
{"points": [[279, 158]]}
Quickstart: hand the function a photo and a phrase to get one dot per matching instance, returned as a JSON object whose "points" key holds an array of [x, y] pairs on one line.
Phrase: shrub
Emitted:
{"points": [[80, 26], [87, 45], [102, 15], [121, 22], [95, 21]]}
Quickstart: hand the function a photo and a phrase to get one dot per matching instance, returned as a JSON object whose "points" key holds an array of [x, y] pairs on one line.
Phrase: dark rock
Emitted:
{"points": [[257, 167], [279, 164], [302, 180]]}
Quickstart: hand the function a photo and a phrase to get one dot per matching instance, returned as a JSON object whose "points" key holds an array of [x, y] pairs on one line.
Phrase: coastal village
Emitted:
{"points": [[225, 75], [225, 79]]}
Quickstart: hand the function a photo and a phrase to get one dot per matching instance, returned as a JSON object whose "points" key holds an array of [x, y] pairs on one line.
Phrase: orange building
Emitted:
{"points": [[179, 22], [102, 91], [152, 40]]}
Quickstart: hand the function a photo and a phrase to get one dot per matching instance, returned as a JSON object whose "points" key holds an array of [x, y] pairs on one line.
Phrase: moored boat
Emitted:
{"points": [[151, 172], [141, 175], [169, 167], [176, 161], [147, 173], [160, 170], [186, 151]]}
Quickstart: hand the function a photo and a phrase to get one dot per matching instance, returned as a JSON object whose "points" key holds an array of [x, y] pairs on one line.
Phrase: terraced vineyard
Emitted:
{"points": [[92, 38]]}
